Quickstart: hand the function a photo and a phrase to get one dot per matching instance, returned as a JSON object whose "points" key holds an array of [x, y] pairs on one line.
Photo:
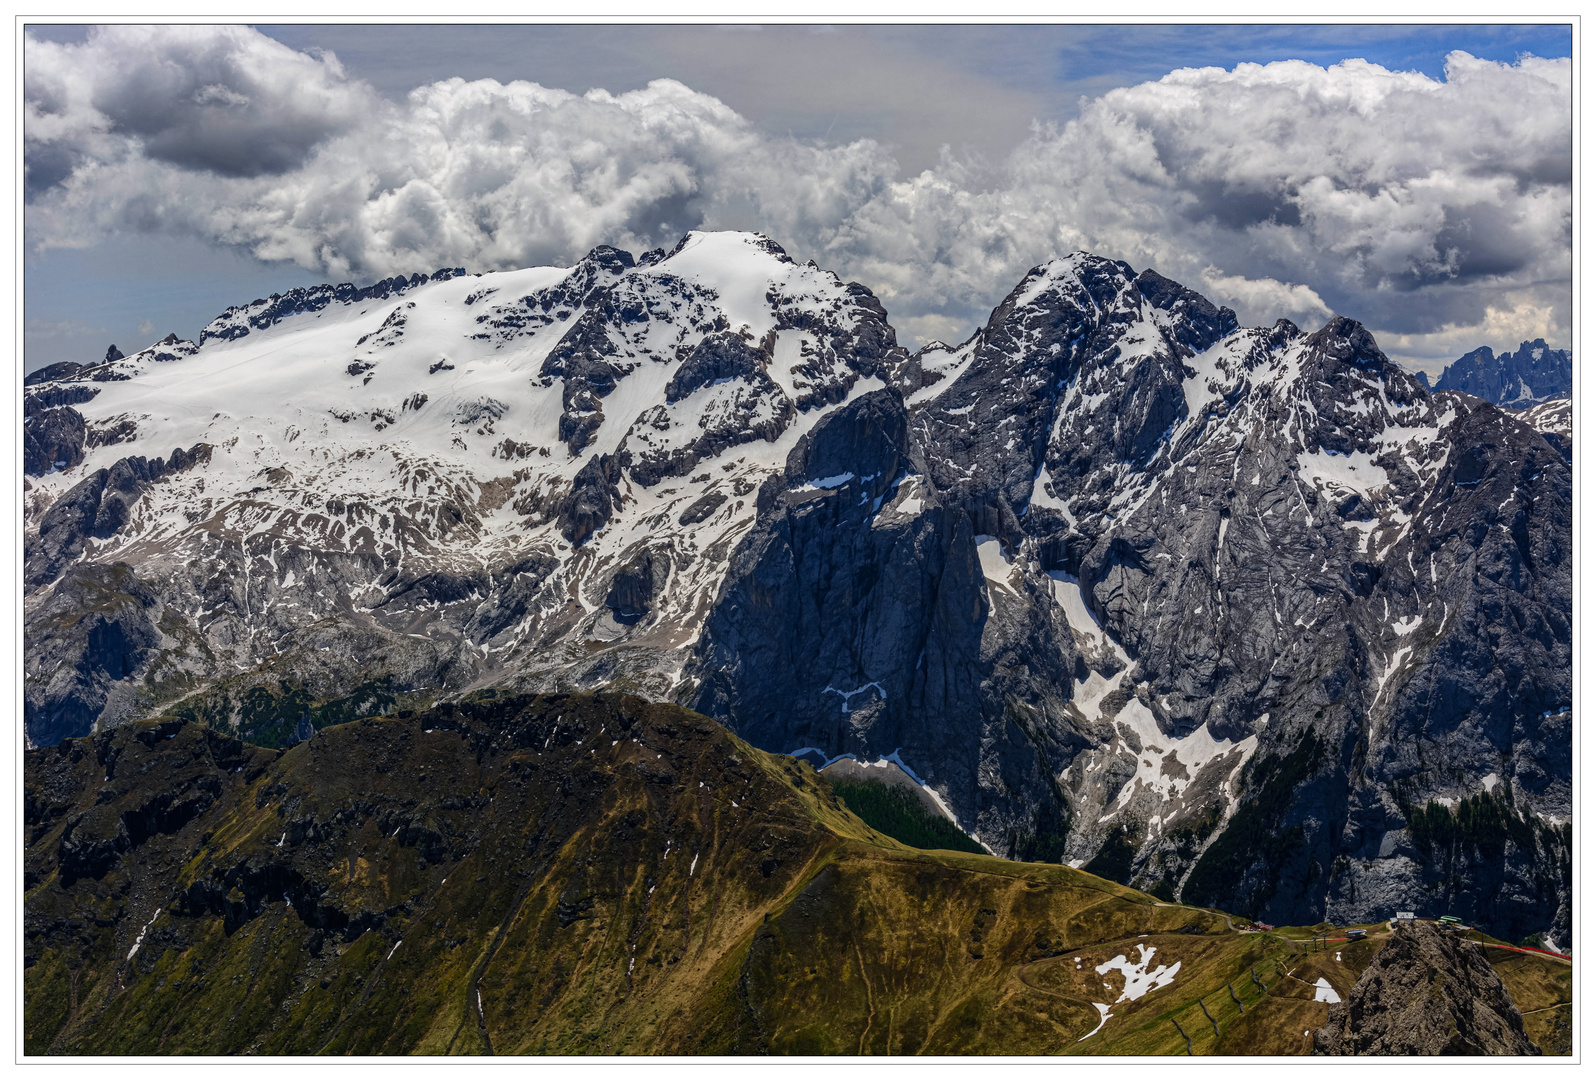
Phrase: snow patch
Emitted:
{"points": [[848, 695], [1194, 752], [1040, 496], [1407, 625], [1390, 669], [140, 939], [1355, 470], [1103, 1015], [827, 483], [1138, 979], [995, 566]]}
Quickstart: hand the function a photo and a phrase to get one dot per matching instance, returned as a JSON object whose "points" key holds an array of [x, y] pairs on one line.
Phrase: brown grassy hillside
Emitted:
{"points": [[571, 875]]}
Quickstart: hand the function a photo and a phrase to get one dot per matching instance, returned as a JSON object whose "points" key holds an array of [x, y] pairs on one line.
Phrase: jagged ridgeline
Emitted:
{"points": [[1217, 610], [1533, 375], [594, 875]]}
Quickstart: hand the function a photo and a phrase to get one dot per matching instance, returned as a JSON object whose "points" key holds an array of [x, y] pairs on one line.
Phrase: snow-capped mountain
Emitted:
{"points": [[1240, 614], [471, 468], [1534, 374]]}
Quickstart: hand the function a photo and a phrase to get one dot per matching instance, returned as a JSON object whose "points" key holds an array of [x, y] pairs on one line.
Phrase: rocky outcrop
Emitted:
{"points": [[740, 404], [581, 361], [54, 395], [718, 357], [52, 439], [63, 370], [87, 641], [237, 322], [586, 507], [95, 508], [1427, 994], [635, 585]]}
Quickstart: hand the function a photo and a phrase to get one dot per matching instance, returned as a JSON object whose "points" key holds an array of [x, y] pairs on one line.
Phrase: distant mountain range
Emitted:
{"points": [[1516, 380]]}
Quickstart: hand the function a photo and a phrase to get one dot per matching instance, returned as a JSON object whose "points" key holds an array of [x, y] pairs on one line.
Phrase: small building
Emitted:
{"points": [[1357, 935]]}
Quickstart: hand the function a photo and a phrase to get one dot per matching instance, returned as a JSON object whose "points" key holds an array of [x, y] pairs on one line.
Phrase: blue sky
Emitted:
{"points": [[913, 89], [1120, 59]]}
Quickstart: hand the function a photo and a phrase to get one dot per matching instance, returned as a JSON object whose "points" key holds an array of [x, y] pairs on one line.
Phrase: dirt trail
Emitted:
{"points": [[1205, 911], [1019, 973], [1531, 952]]}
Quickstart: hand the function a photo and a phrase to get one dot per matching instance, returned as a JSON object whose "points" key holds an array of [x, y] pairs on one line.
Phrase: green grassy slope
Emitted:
{"points": [[901, 816]]}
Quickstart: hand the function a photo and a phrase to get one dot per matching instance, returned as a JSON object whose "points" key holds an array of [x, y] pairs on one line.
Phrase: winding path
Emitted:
{"points": [[1205, 911]]}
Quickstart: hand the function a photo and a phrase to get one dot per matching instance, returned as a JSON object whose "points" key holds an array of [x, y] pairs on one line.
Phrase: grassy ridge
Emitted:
{"points": [[576, 874], [900, 815]]}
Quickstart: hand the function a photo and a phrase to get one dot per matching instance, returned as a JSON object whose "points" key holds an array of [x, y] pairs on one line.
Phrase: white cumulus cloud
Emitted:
{"points": [[1258, 301], [1402, 201], [1415, 205]]}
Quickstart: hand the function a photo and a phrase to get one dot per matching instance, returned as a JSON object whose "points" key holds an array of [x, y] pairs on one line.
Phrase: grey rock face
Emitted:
{"points": [[53, 439], [1211, 551], [95, 629], [1246, 614], [856, 619], [97, 507], [1426, 994]]}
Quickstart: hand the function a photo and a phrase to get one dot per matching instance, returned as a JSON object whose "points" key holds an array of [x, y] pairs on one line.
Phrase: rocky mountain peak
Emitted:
{"points": [[1348, 341], [613, 260]]}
